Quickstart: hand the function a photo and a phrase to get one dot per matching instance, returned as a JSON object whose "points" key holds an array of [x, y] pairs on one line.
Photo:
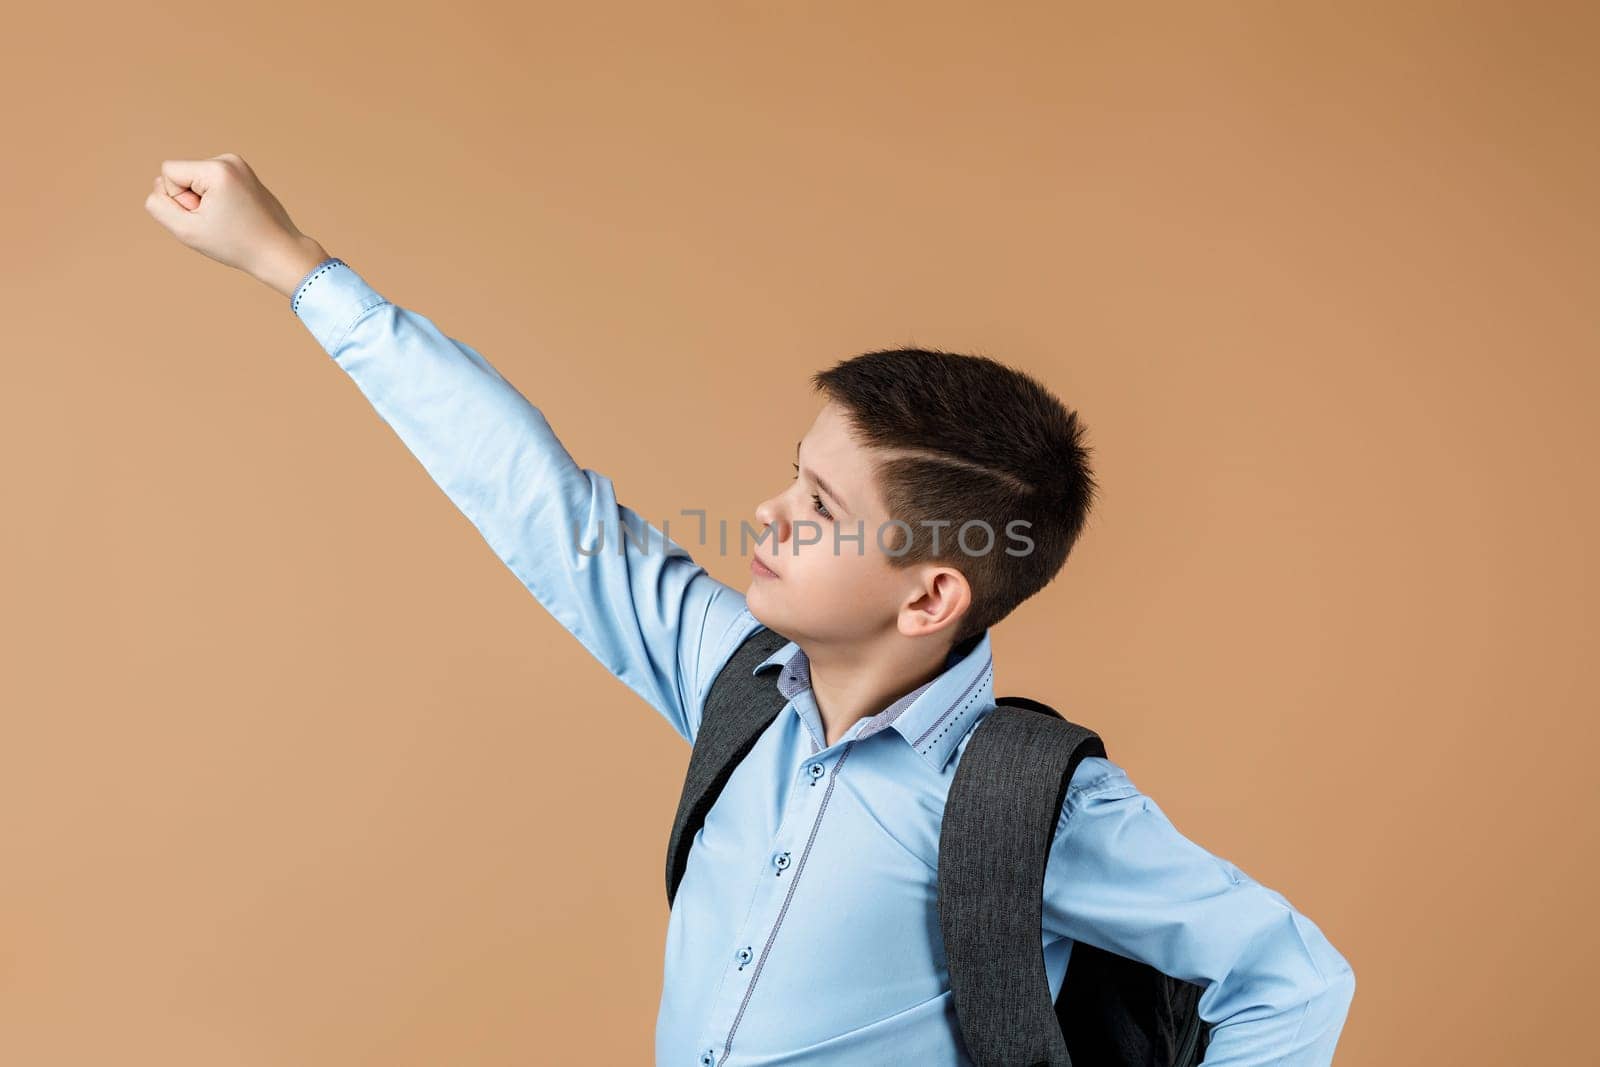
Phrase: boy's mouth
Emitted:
{"points": [[761, 570]]}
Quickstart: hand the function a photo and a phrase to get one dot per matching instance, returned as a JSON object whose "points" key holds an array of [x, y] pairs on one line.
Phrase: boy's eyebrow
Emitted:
{"points": [[822, 484]]}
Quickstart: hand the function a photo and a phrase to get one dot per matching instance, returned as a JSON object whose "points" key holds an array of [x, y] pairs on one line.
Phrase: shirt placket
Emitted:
{"points": [[777, 884]]}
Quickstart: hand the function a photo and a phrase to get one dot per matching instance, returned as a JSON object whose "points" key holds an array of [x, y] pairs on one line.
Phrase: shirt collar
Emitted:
{"points": [[934, 717]]}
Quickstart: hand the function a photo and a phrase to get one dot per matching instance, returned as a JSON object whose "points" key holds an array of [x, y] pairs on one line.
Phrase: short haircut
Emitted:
{"points": [[966, 438]]}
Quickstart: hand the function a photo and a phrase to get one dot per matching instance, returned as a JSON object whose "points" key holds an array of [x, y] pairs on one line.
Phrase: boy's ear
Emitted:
{"points": [[944, 598]]}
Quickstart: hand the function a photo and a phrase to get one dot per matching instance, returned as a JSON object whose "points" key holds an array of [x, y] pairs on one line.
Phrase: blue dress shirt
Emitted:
{"points": [[805, 929]]}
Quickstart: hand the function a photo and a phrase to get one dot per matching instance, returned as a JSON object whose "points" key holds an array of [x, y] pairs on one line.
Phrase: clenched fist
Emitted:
{"points": [[219, 208]]}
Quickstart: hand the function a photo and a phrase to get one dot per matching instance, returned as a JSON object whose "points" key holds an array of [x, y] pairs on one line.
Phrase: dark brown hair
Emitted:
{"points": [[966, 438]]}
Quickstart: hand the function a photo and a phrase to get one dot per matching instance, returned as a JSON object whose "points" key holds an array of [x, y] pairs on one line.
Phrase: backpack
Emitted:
{"points": [[999, 819]]}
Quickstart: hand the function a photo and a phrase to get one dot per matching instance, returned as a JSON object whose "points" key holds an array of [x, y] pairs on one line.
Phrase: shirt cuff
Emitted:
{"points": [[330, 299]]}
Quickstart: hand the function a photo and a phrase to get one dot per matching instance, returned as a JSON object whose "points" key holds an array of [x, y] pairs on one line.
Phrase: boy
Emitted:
{"points": [[804, 929]]}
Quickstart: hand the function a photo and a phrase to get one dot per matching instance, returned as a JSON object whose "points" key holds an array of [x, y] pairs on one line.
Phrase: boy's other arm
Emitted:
{"points": [[1121, 877], [650, 614]]}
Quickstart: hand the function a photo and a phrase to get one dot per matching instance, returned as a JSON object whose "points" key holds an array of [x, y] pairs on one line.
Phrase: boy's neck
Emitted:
{"points": [[850, 684]]}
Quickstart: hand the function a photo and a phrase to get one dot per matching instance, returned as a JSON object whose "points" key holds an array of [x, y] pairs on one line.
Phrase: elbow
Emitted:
{"points": [[1341, 988], [1328, 1009], [1331, 995]]}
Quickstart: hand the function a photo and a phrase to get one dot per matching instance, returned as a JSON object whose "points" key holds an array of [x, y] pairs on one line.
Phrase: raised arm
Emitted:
{"points": [[649, 613], [1121, 877]]}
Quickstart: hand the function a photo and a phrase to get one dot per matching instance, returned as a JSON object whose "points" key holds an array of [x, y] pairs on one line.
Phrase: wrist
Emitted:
{"points": [[284, 270]]}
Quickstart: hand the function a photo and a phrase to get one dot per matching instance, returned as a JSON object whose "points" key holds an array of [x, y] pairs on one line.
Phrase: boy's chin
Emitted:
{"points": [[759, 603], [768, 609]]}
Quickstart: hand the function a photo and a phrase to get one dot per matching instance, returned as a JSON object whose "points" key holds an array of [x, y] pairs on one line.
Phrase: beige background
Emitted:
{"points": [[293, 771]]}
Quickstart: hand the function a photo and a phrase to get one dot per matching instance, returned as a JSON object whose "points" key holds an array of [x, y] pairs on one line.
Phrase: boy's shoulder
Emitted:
{"points": [[1096, 780], [1097, 775]]}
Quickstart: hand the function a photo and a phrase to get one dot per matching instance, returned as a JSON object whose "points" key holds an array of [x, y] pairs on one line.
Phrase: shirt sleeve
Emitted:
{"points": [[1120, 876], [631, 595]]}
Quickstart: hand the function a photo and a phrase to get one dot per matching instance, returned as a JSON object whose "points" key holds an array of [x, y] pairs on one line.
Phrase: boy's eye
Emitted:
{"points": [[816, 501]]}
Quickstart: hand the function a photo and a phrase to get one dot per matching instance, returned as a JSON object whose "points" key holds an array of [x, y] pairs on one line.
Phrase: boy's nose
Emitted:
{"points": [[768, 514]]}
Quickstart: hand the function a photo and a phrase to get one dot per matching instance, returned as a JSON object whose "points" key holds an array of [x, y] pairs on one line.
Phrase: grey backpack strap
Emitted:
{"points": [[738, 708], [1000, 817]]}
